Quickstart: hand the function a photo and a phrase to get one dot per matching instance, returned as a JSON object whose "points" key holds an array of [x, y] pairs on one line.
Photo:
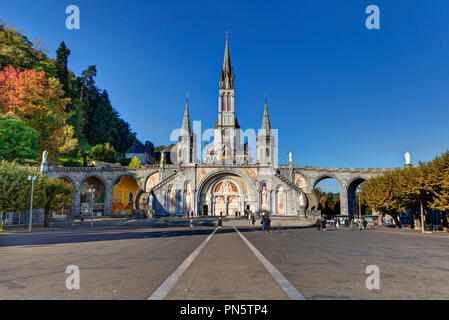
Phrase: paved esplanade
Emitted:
{"points": [[231, 264], [226, 269]]}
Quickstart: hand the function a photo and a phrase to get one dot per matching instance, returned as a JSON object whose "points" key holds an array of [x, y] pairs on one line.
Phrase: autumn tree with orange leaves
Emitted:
{"points": [[39, 102]]}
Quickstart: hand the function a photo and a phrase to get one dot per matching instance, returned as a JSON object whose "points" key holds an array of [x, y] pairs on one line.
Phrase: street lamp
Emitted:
{"points": [[32, 178], [92, 191], [360, 207]]}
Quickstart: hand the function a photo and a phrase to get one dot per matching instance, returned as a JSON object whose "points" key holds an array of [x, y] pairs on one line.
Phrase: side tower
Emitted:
{"points": [[265, 140], [186, 139]]}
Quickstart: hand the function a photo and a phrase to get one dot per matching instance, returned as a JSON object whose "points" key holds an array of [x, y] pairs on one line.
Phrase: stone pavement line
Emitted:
{"points": [[169, 283], [288, 288]]}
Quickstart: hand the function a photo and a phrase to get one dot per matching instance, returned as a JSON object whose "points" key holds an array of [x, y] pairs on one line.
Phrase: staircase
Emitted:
{"points": [[289, 183], [166, 180]]}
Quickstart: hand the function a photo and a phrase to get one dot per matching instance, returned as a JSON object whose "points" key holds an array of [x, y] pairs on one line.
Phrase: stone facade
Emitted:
{"points": [[228, 181]]}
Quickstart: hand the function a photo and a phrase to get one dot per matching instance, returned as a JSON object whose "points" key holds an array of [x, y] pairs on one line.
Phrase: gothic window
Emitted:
{"points": [[225, 106], [267, 152]]}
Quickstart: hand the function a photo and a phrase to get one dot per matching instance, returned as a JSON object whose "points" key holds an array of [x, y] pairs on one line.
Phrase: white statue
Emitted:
{"points": [[290, 158], [44, 165], [407, 158], [162, 158], [301, 200]]}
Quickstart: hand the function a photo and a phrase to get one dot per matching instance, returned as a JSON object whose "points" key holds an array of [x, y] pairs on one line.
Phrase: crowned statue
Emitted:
{"points": [[407, 159]]}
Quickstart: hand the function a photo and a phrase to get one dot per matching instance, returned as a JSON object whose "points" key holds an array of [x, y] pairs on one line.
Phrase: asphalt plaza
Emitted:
{"points": [[133, 262]]}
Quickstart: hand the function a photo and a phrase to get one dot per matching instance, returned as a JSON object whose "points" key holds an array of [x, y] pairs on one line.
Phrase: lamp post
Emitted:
{"points": [[422, 217], [360, 207], [92, 191], [32, 178]]}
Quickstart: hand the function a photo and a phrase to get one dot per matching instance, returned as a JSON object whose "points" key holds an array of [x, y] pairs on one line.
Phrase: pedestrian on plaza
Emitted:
{"points": [[263, 222], [323, 224], [318, 224], [191, 222], [253, 219], [267, 223], [220, 221], [365, 223], [236, 213]]}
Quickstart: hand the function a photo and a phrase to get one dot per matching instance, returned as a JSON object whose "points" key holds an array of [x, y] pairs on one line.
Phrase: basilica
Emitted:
{"points": [[223, 180], [227, 180]]}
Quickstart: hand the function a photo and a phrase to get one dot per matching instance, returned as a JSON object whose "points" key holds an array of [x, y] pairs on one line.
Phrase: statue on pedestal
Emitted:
{"points": [[290, 158], [407, 159]]}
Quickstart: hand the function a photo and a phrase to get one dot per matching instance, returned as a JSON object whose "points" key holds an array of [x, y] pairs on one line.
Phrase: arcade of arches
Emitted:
{"points": [[124, 196]]}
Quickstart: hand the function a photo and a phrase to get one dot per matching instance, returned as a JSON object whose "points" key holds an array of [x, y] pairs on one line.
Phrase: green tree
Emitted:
{"points": [[48, 66], [62, 57], [103, 152], [17, 142], [58, 192], [380, 193], [16, 50], [438, 185], [15, 189]]}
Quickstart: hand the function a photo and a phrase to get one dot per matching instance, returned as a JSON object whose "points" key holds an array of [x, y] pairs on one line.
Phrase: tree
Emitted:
{"points": [[380, 193], [38, 101], [58, 192], [86, 81], [66, 141], [15, 189], [103, 152], [16, 50], [48, 66], [17, 142], [62, 56], [135, 162], [438, 185]]}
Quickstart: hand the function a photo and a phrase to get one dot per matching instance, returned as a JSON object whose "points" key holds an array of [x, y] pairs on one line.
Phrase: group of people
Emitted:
{"points": [[321, 224]]}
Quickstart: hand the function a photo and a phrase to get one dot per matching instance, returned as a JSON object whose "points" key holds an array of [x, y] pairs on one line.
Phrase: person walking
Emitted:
{"points": [[267, 223], [263, 222], [253, 219], [318, 224], [365, 223], [220, 221], [191, 222], [323, 224]]}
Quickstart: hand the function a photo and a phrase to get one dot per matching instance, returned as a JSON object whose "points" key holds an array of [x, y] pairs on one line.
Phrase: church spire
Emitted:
{"points": [[266, 125], [227, 77], [186, 125]]}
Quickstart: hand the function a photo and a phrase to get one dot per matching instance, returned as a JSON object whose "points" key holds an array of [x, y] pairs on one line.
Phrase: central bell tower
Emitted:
{"points": [[227, 129]]}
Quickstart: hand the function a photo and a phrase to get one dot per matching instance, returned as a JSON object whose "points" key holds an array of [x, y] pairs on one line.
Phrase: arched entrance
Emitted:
{"points": [[65, 206], [92, 193], [355, 207], [327, 190], [226, 193], [124, 196]]}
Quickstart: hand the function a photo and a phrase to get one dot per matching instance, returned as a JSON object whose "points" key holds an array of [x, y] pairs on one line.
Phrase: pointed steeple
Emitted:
{"points": [[266, 125], [227, 77], [186, 125]]}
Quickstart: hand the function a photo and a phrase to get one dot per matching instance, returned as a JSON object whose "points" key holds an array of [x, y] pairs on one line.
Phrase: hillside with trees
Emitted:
{"points": [[41, 98]]}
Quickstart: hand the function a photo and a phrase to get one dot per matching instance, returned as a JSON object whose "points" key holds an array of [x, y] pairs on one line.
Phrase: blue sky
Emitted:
{"points": [[340, 95]]}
